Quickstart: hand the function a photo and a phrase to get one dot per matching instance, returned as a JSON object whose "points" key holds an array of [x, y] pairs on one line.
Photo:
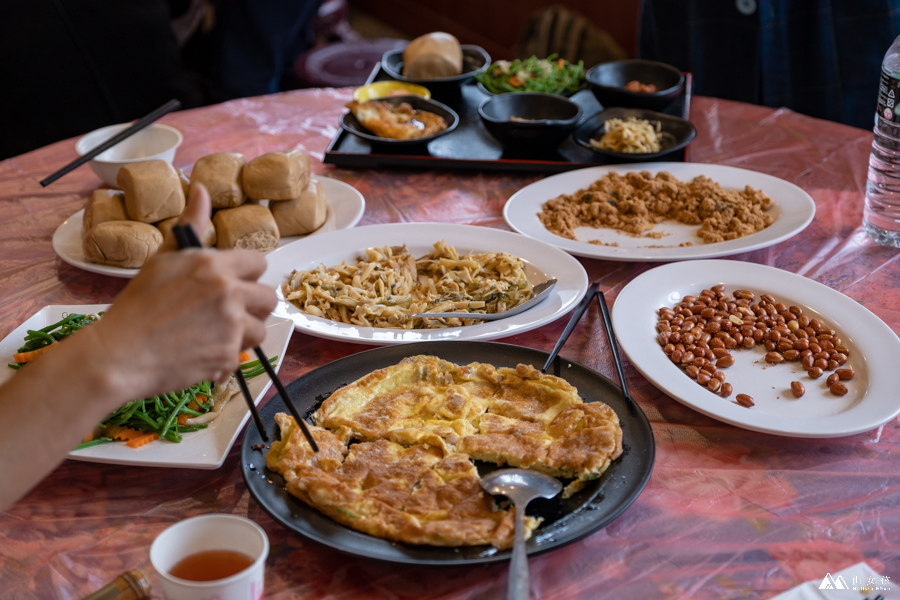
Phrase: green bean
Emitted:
{"points": [[174, 414], [93, 442]]}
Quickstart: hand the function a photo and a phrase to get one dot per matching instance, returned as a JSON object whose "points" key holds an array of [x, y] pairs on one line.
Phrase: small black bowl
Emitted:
{"points": [[475, 60], [607, 81], [350, 123], [547, 119], [676, 133]]}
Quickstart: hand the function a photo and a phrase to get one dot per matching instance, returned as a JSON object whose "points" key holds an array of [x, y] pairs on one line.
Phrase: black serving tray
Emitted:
{"points": [[470, 146]]}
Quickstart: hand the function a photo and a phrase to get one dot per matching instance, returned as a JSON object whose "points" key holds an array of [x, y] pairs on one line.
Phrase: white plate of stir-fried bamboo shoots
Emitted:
{"points": [[363, 285]]}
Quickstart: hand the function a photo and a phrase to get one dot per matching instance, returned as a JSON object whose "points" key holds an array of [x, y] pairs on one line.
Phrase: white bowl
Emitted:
{"points": [[154, 142]]}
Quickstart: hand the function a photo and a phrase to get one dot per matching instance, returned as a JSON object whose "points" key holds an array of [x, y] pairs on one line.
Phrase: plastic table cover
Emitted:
{"points": [[727, 512]]}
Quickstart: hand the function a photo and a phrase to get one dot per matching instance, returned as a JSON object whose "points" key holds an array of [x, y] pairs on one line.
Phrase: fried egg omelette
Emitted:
{"points": [[396, 448]]}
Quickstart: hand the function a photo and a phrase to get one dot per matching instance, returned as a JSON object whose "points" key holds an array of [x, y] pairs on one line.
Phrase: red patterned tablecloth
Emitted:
{"points": [[727, 513]]}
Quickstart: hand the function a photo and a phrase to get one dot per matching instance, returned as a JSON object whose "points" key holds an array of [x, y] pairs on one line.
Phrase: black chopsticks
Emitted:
{"points": [[576, 316], [127, 132], [614, 344], [187, 238]]}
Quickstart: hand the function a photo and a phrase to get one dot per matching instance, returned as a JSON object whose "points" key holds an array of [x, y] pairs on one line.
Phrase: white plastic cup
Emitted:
{"points": [[211, 532]]}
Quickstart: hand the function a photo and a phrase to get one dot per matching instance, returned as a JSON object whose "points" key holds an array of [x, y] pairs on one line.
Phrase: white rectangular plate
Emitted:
{"points": [[204, 449]]}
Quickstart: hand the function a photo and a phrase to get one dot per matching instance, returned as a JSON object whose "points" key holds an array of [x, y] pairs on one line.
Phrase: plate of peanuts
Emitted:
{"points": [[760, 348]]}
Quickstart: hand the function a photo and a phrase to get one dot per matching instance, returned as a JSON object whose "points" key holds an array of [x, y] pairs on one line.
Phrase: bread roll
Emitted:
{"points": [[433, 55], [221, 174], [301, 215], [121, 243], [152, 189], [102, 206], [246, 226], [280, 175], [207, 240]]}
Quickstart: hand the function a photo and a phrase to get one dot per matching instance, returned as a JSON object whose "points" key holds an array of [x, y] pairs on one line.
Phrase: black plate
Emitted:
{"points": [[676, 133], [475, 60], [350, 123], [565, 521]]}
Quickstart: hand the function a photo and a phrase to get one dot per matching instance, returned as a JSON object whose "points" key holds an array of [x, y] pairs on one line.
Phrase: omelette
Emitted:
{"points": [[397, 445]]}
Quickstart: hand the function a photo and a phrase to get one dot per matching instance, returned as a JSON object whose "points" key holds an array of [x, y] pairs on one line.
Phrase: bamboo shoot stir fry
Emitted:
{"points": [[386, 286], [141, 421]]}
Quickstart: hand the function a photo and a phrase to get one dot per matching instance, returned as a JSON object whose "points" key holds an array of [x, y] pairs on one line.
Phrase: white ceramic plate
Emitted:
{"points": [[345, 208], [543, 262], [204, 449], [872, 398], [794, 210]]}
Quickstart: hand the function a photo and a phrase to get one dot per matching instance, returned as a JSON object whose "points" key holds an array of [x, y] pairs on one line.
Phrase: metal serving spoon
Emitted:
{"points": [[538, 294], [521, 486]]}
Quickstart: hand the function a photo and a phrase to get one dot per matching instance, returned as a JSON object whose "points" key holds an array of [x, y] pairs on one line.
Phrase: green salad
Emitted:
{"points": [[549, 75]]}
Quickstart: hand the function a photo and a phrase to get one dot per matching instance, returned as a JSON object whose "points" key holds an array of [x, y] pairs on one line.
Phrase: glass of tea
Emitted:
{"points": [[219, 556]]}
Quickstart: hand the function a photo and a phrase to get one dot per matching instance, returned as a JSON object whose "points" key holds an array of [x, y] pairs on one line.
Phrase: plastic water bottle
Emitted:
{"points": [[881, 215]]}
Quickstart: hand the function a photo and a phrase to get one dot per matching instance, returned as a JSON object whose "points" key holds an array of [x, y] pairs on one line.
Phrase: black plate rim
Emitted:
{"points": [[623, 481], [472, 51], [594, 124], [350, 124]]}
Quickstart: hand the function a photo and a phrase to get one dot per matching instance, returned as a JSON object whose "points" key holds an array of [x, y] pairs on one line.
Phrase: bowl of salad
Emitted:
{"points": [[551, 75]]}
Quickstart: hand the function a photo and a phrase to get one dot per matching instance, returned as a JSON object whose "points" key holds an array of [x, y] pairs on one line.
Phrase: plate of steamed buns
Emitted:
{"points": [[259, 204]]}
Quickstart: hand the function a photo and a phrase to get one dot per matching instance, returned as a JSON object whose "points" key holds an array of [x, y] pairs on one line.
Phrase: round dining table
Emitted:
{"points": [[726, 512]]}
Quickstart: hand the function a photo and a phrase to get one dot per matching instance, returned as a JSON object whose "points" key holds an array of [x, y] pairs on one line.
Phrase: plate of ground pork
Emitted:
{"points": [[660, 211]]}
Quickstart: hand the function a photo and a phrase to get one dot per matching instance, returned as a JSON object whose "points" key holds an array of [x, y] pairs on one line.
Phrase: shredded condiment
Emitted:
{"points": [[631, 135], [388, 285]]}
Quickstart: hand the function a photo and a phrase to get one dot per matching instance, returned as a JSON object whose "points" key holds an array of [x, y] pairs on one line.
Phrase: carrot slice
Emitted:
{"points": [[244, 357], [24, 357], [142, 440], [117, 432], [182, 418]]}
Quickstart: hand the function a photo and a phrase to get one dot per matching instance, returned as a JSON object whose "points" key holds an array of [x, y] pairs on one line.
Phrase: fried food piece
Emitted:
{"points": [[396, 448], [398, 122], [414, 494], [519, 417]]}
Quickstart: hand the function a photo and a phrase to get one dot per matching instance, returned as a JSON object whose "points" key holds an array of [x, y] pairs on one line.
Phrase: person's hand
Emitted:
{"points": [[188, 314]]}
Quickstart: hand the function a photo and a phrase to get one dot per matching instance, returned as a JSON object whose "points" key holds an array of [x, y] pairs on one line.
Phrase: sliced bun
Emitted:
{"points": [[433, 55], [301, 215], [152, 189], [279, 175], [185, 182], [121, 243], [246, 226], [221, 174], [102, 206]]}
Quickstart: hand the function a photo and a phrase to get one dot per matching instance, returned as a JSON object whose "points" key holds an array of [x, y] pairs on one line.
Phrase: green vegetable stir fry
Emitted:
{"points": [[549, 75], [141, 421], [165, 415], [37, 340]]}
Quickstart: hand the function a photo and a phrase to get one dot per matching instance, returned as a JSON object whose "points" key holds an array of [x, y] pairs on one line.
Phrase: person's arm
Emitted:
{"points": [[184, 318]]}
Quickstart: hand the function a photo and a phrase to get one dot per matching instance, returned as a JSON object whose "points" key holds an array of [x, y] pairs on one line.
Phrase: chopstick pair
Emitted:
{"points": [[607, 322], [127, 132], [187, 238]]}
